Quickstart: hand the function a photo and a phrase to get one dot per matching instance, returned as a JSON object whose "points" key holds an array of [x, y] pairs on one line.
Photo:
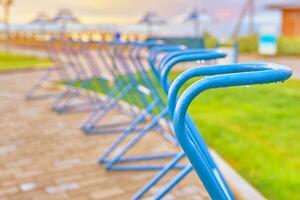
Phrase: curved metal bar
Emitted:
{"points": [[189, 141], [155, 51], [206, 71], [205, 55], [172, 97], [184, 52], [166, 48], [180, 155]]}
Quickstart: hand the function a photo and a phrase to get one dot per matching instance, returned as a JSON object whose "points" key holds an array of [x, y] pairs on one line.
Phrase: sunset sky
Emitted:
{"points": [[123, 15], [125, 11]]}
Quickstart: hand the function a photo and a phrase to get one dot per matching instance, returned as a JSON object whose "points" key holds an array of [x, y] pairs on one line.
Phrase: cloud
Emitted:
{"points": [[122, 11]]}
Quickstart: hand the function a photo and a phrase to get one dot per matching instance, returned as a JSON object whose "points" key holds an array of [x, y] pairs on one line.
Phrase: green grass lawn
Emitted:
{"points": [[256, 130], [10, 61]]}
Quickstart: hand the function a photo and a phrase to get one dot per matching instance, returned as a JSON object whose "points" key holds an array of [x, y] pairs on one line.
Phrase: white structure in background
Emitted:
{"points": [[231, 55], [267, 40], [198, 18], [151, 19]]}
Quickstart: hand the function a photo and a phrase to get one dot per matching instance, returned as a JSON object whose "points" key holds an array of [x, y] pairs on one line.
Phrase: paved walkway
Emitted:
{"points": [[44, 155]]}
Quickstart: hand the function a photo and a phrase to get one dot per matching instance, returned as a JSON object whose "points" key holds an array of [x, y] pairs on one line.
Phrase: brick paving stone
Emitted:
{"points": [[25, 187], [44, 155]]}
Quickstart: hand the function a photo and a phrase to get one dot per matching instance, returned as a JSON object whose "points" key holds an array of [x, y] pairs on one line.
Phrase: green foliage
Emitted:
{"points": [[289, 46], [248, 44], [210, 41], [9, 61], [285, 45]]}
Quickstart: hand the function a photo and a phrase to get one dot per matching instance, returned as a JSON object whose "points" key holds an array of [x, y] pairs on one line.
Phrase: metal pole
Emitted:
{"points": [[6, 13]]}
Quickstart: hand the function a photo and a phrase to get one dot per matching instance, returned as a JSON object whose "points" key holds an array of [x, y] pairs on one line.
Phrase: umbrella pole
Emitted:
{"points": [[196, 28], [149, 31]]}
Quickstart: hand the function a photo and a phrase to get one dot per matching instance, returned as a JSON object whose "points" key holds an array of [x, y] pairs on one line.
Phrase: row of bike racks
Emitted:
{"points": [[137, 73]]}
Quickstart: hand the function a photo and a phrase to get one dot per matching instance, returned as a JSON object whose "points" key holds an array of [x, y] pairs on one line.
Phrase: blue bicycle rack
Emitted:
{"points": [[177, 84], [156, 103], [167, 63], [163, 113], [58, 69], [118, 69], [83, 69], [219, 77]]}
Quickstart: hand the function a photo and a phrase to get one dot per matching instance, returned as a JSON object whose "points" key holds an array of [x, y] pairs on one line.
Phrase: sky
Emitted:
{"points": [[125, 11], [120, 12]]}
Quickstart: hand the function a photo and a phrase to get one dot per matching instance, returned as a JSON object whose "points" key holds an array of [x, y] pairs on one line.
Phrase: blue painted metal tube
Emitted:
{"points": [[190, 125], [174, 182], [172, 59], [131, 78], [130, 129], [135, 55], [174, 54], [182, 81], [153, 87], [64, 94], [136, 138], [140, 120], [158, 176], [158, 50], [58, 68], [146, 157], [115, 57], [142, 167], [89, 120], [61, 103], [105, 131], [198, 71], [185, 58], [189, 141], [112, 104], [183, 78], [164, 81], [30, 94], [104, 55], [206, 71]]}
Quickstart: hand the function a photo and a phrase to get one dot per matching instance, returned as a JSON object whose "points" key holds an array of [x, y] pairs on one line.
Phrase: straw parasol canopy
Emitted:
{"points": [[41, 20], [150, 19], [65, 17], [198, 17]]}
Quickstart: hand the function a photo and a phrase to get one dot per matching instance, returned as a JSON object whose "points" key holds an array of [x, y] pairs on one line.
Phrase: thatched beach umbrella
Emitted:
{"points": [[151, 19], [197, 17], [41, 20], [63, 18]]}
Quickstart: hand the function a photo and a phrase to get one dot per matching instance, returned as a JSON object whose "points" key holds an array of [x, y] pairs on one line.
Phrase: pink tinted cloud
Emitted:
{"points": [[226, 13]]}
